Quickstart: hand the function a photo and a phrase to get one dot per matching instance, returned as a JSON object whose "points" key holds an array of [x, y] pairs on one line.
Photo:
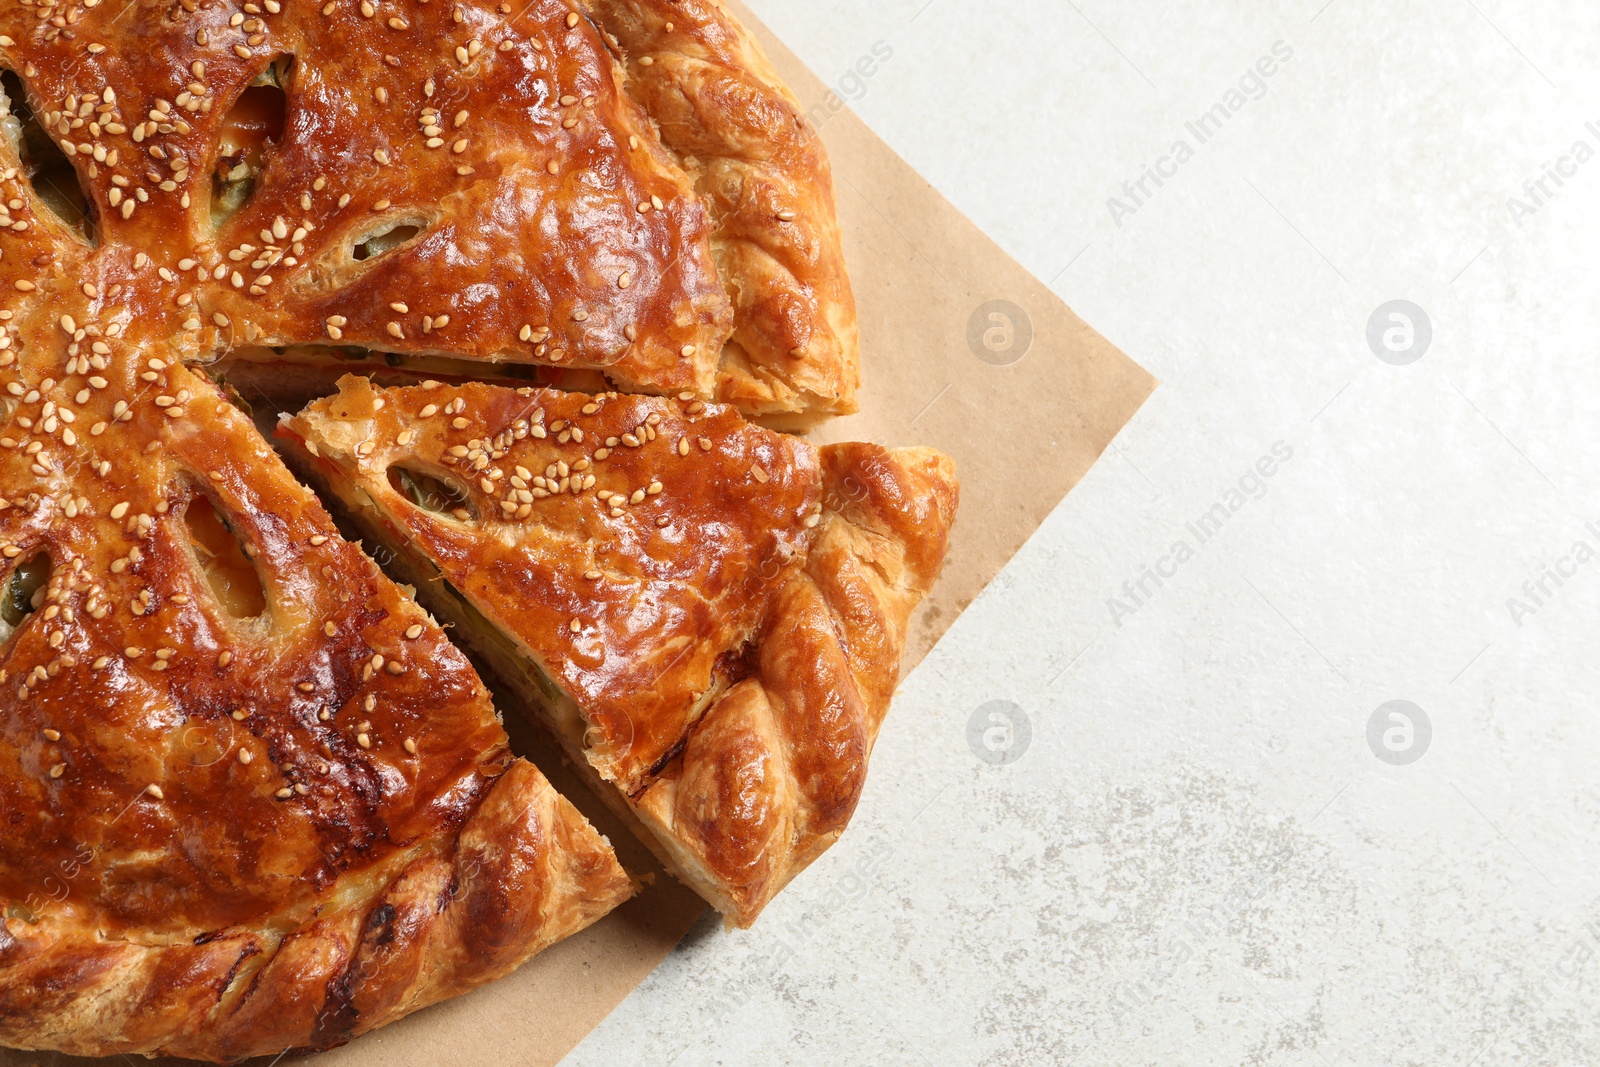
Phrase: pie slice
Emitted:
{"points": [[254, 798], [709, 615]]}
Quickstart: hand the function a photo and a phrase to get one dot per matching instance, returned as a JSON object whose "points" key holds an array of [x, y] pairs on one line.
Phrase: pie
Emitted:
{"points": [[255, 798], [707, 614]]}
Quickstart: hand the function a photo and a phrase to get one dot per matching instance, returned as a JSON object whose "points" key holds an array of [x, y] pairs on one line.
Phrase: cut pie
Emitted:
{"points": [[254, 798], [709, 615]]}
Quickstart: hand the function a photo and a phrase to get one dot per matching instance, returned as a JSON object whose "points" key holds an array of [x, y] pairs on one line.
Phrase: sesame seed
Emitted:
{"points": [[410, 746], [155, 791], [245, 756]]}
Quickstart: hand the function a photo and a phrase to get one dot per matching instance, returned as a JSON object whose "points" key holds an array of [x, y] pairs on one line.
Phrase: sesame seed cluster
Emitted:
{"points": [[707, 614]]}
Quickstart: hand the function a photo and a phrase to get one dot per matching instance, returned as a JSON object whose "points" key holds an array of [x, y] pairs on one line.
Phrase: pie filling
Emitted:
{"points": [[249, 132], [23, 593], [43, 162], [288, 377]]}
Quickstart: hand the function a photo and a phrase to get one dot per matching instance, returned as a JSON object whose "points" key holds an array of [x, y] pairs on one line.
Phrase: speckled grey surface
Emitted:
{"points": [[1198, 855]]}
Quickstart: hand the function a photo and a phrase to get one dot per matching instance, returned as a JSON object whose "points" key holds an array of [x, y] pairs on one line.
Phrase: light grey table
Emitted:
{"points": [[1218, 840]]}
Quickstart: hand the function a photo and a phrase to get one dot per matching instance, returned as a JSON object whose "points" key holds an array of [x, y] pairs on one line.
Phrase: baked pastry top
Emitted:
{"points": [[255, 798], [709, 614], [623, 189]]}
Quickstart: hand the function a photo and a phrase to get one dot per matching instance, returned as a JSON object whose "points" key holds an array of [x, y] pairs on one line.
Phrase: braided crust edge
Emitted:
{"points": [[771, 774], [760, 166], [526, 871]]}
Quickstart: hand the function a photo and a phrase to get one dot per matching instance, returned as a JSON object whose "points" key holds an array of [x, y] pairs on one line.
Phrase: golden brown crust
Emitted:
{"points": [[213, 805], [554, 226], [761, 168], [524, 872], [386, 126], [733, 638], [771, 775]]}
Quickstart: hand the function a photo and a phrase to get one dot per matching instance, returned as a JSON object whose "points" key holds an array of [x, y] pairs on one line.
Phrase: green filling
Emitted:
{"points": [[431, 494], [254, 124], [48, 170], [375, 245], [25, 591]]}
